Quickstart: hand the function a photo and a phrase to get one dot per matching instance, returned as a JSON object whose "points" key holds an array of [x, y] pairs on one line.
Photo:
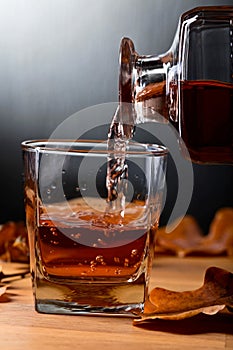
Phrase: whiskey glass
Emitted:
{"points": [[89, 256]]}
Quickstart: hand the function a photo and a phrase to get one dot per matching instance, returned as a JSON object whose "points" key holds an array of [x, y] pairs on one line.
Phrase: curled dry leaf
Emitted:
{"points": [[188, 239], [2, 290], [215, 293], [186, 235], [2, 287], [13, 242], [220, 237]]}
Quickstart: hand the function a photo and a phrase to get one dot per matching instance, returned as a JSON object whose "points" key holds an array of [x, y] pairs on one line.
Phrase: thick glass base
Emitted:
{"points": [[111, 299], [56, 307]]}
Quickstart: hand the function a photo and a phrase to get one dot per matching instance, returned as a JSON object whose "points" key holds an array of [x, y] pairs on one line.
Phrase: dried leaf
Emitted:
{"points": [[14, 242], [215, 293], [188, 239], [220, 237], [186, 235], [2, 289]]}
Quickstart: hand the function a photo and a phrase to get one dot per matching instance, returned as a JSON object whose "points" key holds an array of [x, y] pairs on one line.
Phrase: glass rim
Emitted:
{"points": [[44, 145]]}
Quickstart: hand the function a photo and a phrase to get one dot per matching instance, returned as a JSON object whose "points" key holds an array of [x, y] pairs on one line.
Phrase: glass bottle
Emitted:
{"points": [[191, 85]]}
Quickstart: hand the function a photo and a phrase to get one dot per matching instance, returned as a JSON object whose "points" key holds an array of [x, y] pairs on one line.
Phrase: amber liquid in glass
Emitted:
{"points": [[111, 253], [88, 256]]}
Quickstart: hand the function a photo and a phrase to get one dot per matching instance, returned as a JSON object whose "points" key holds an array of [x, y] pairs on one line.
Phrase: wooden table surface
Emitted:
{"points": [[21, 327]]}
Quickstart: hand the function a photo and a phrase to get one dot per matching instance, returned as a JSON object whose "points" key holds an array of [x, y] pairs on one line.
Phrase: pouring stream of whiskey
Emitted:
{"points": [[120, 132]]}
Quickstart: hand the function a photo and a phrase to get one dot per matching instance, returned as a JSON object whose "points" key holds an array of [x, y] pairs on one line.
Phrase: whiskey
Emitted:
{"points": [[112, 253], [86, 256], [206, 122]]}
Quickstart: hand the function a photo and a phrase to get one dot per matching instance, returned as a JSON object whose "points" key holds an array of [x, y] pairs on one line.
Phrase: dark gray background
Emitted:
{"points": [[59, 56]]}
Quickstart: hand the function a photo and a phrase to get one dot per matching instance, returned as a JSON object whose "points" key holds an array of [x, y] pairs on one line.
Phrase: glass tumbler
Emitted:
{"points": [[89, 255]]}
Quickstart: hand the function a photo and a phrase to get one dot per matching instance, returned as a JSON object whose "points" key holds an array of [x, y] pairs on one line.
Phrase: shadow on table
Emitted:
{"points": [[219, 323]]}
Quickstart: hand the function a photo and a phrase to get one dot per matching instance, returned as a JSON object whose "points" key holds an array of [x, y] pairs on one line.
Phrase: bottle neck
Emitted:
{"points": [[150, 77], [145, 80]]}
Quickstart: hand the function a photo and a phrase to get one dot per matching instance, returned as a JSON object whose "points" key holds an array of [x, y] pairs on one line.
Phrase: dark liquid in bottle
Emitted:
{"points": [[206, 121]]}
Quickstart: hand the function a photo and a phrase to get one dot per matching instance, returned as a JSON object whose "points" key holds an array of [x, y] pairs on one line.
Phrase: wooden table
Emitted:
{"points": [[23, 328]]}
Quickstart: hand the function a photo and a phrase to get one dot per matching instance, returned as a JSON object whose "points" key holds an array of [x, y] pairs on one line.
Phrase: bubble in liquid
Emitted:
{"points": [[93, 265], [63, 172], [53, 186], [48, 191], [134, 252], [137, 265], [54, 242], [44, 224], [99, 258], [116, 259]]}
